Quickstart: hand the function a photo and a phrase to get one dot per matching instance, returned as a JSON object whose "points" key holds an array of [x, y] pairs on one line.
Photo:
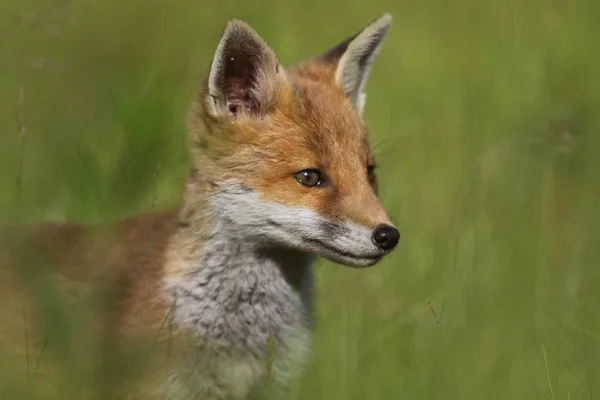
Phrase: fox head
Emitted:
{"points": [[284, 152]]}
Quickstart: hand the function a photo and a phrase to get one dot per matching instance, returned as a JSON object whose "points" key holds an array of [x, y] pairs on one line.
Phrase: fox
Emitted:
{"points": [[222, 285]]}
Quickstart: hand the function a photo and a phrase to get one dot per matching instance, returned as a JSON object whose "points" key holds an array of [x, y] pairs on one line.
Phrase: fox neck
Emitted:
{"points": [[242, 295], [235, 291]]}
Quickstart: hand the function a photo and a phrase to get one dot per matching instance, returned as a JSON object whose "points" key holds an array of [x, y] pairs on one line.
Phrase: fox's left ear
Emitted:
{"points": [[245, 75], [354, 57]]}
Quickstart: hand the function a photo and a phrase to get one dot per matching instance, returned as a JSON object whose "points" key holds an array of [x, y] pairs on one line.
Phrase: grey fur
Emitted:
{"points": [[239, 299], [243, 296]]}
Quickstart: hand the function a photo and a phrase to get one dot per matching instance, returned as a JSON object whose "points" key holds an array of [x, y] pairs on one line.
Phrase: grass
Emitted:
{"points": [[486, 119]]}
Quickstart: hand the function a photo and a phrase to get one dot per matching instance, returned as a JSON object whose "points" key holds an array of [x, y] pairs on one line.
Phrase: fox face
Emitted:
{"points": [[285, 152]]}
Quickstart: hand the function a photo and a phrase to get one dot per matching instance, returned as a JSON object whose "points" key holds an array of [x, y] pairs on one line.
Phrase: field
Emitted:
{"points": [[485, 116]]}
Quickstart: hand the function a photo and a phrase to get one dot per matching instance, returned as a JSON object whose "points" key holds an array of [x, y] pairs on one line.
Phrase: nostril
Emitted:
{"points": [[386, 237]]}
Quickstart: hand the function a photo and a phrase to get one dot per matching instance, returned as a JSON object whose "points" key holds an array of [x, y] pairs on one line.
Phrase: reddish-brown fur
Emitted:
{"points": [[121, 266]]}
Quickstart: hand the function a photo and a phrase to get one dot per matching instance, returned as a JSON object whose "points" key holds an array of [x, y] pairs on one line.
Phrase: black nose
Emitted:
{"points": [[386, 237]]}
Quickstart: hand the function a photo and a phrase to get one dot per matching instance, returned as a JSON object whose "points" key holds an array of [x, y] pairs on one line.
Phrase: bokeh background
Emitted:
{"points": [[485, 119]]}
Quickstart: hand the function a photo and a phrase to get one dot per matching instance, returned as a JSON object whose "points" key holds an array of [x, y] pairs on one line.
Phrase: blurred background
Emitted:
{"points": [[485, 120]]}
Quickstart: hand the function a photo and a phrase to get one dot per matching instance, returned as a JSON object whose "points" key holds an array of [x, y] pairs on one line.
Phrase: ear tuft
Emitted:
{"points": [[353, 59], [245, 74]]}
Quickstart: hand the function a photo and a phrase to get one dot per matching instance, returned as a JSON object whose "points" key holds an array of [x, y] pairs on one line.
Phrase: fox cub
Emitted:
{"points": [[282, 173]]}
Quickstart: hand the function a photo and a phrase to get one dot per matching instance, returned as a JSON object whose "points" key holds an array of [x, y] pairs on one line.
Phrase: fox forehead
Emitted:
{"points": [[313, 126], [330, 117]]}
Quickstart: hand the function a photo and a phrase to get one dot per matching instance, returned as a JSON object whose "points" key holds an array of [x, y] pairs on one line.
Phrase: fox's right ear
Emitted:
{"points": [[245, 75], [353, 59]]}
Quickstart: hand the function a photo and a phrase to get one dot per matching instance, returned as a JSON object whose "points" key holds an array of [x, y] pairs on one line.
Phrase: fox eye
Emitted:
{"points": [[309, 177], [371, 172]]}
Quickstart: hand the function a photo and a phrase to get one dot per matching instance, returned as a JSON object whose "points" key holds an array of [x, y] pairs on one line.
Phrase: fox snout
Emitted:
{"points": [[362, 206], [351, 243]]}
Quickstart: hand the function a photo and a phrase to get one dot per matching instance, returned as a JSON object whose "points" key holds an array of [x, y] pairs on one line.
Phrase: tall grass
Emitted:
{"points": [[485, 117]]}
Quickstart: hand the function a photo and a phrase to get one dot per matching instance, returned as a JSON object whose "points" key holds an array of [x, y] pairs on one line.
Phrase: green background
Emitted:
{"points": [[485, 119]]}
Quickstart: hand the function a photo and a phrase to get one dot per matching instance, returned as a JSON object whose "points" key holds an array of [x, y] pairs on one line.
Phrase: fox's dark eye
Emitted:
{"points": [[371, 172], [309, 177]]}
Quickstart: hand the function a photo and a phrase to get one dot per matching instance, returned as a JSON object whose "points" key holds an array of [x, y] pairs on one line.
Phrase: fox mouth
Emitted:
{"points": [[366, 259]]}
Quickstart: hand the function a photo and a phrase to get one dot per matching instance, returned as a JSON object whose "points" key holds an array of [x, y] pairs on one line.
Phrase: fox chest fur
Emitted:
{"points": [[250, 309]]}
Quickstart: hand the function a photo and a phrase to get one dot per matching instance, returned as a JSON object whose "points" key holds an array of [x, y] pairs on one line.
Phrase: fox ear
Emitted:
{"points": [[354, 57], [245, 75]]}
